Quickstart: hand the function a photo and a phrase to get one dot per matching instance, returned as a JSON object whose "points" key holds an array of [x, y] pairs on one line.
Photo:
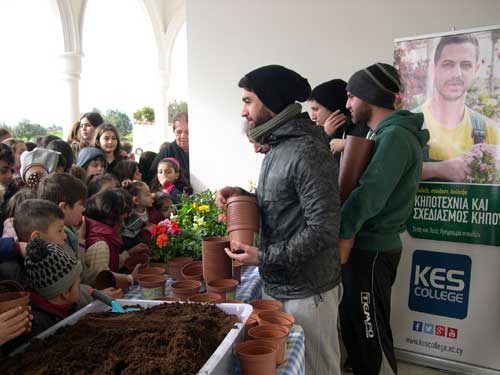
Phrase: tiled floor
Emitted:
{"points": [[409, 369]]}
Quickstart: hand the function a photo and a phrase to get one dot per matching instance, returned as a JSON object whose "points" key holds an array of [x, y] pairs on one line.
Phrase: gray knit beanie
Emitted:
{"points": [[377, 84], [50, 270]]}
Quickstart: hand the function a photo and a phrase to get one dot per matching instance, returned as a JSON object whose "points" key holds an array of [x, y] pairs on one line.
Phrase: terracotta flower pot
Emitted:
{"points": [[14, 296], [250, 323], [135, 259], [151, 271], [260, 305], [175, 265], [107, 279], [242, 218], [355, 158], [152, 286], [257, 357], [168, 299], [225, 288], [158, 264], [216, 264], [194, 271], [276, 317], [274, 333], [185, 289], [205, 298], [237, 270]]}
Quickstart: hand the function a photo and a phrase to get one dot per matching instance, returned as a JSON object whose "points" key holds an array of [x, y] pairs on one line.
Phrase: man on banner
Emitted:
{"points": [[374, 215], [454, 128], [299, 209]]}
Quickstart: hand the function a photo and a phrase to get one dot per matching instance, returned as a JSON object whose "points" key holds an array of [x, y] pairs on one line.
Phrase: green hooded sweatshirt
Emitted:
{"points": [[377, 209]]}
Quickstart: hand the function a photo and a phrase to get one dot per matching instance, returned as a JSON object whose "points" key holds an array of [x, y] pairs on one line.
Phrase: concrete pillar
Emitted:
{"points": [[71, 71]]}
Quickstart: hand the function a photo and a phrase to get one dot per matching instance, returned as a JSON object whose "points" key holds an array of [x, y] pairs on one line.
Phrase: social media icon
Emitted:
{"points": [[452, 333], [417, 326], [440, 330], [429, 328]]}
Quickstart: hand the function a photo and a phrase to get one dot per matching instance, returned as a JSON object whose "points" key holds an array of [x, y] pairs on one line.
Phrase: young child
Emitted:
{"points": [[101, 182], [167, 177], [55, 281], [162, 208], [92, 160], [127, 170], [105, 212], [10, 210], [18, 147], [142, 200], [38, 163], [107, 139]]}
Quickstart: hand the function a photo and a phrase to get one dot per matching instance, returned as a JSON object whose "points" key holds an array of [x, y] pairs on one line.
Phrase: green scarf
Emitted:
{"points": [[260, 133]]}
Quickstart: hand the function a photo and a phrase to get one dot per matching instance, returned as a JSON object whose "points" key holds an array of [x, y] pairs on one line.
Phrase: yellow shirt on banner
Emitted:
{"points": [[446, 143]]}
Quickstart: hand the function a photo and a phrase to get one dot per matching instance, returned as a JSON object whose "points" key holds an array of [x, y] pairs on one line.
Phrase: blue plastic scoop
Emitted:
{"points": [[115, 306]]}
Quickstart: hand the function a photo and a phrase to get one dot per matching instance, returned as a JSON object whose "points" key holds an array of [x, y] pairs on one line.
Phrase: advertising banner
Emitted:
{"points": [[445, 306]]}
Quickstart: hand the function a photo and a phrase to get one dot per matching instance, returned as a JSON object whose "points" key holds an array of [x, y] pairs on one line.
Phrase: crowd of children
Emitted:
{"points": [[70, 210]]}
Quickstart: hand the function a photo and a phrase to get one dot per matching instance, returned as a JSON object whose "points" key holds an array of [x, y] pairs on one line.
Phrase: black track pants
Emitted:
{"points": [[366, 308]]}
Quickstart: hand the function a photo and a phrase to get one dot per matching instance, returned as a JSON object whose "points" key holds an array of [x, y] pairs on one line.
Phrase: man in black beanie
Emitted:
{"points": [[327, 104], [374, 215], [298, 201]]}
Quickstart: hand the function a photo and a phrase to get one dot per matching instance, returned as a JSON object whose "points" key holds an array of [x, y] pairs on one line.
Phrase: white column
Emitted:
{"points": [[72, 68], [161, 110]]}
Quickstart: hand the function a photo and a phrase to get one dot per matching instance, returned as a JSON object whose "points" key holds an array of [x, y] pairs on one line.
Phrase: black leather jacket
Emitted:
{"points": [[300, 212]]}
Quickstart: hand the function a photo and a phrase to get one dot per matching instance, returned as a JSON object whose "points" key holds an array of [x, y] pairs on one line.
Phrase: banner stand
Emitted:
{"points": [[445, 309]]}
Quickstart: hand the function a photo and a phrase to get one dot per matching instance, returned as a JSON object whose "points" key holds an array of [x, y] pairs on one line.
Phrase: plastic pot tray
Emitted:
{"points": [[221, 362]]}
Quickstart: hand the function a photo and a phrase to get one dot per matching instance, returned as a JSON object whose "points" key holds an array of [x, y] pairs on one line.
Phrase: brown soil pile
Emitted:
{"points": [[171, 339]]}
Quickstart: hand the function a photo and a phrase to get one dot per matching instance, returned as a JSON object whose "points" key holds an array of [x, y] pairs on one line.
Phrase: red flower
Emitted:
{"points": [[163, 230], [161, 240], [221, 218]]}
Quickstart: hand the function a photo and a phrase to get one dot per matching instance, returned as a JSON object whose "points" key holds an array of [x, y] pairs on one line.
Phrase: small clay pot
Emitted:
{"points": [[193, 271], [107, 279], [250, 323], [9, 300], [237, 270], [168, 299], [205, 298], [135, 259], [276, 334], [276, 317], [216, 264], [162, 265], [151, 271], [175, 265], [242, 212], [226, 288], [185, 289], [257, 357], [152, 286], [260, 305]]}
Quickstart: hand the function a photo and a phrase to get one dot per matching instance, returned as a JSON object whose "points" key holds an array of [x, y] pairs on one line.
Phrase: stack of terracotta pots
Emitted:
{"points": [[267, 331], [242, 218], [152, 282], [216, 264]]}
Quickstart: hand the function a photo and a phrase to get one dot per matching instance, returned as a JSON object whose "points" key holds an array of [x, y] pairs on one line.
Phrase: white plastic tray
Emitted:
{"points": [[222, 360]]}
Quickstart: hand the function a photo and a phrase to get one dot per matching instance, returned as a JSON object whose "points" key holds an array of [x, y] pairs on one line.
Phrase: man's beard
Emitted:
{"points": [[362, 114], [263, 116]]}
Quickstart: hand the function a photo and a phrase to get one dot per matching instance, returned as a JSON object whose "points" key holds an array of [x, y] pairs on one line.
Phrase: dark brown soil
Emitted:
{"points": [[170, 339]]}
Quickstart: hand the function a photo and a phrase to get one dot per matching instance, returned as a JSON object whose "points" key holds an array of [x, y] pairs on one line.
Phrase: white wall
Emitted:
{"points": [[320, 39]]}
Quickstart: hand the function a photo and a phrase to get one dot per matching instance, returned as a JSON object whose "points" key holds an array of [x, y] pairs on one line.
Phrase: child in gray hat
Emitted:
{"points": [[37, 164], [54, 277]]}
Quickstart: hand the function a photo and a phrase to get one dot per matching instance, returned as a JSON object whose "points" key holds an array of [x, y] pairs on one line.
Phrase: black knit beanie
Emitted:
{"points": [[332, 95], [377, 84], [276, 86], [50, 270]]}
